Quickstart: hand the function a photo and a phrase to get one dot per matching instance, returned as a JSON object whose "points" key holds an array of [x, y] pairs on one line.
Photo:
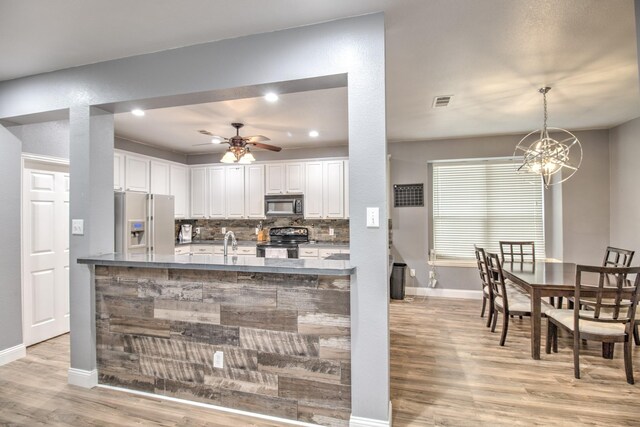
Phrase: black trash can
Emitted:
{"points": [[398, 280]]}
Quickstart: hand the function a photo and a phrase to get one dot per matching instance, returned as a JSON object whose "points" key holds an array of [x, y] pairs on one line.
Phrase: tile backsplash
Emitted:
{"points": [[244, 229]]}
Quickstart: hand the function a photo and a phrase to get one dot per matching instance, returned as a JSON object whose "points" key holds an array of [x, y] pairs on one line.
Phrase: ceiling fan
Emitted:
{"points": [[239, 145]]}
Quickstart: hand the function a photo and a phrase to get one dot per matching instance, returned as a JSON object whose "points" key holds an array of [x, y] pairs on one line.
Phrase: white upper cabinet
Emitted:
{"points": [[275, 178], [234, 187], [198, 192], [313, 190], [118, 171], [217, 191], [294, 177], [333, 189], [324, 189], [160, 178], [136, 173], [346, 189], [179, 185], [254, 191]]}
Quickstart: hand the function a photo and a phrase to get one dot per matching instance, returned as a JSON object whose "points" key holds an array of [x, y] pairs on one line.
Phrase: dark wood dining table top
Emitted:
{"points": [[555, 275]]}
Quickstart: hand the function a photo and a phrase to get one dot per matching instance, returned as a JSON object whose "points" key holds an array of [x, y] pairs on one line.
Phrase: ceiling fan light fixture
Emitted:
{"points": [[247, 158], [228, 157], [217, 140]]}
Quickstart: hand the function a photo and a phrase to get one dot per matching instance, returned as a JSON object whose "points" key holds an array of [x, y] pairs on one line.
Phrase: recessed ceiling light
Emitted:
{"points": [[271, 97], [137, 112], [314, 134]]}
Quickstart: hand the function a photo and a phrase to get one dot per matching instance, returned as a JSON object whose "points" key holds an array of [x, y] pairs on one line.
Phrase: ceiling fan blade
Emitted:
{"points": [[256, 138], [206, 143], [205, 132], [265, 146]]}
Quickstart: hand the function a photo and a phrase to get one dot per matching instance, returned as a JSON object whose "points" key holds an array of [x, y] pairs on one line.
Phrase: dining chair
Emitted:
{"points": [[506, 299], [610, 318], [511, 251], [481, 259]]}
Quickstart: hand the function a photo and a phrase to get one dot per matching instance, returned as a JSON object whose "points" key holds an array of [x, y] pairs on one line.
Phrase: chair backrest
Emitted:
{"points": [[616, 257], [481, 259], [517, 251], [496, 279], [612, 300]]}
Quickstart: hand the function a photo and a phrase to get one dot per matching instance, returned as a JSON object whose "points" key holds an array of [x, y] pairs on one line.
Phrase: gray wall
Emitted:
{"points": [[625, 178], [147, 150], [10, 249], [45, 139], [351, 47], [285, 154], [582, 219]]}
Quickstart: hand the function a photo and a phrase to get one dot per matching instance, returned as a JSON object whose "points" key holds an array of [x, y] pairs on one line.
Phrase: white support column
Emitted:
{"points": [[91, 200]]}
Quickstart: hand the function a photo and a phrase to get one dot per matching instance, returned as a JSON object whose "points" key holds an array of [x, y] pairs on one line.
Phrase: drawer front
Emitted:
{"points": [[247, 250], [218, 250], [202, 249], [345, 251], [308, 253], [323, 253], [182, 250]]}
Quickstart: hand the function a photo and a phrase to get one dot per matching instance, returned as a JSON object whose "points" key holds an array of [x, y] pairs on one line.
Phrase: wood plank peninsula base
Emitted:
{"points": [[285, 338]]}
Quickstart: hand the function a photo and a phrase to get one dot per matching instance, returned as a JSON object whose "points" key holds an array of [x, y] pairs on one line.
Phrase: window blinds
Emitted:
{"points": [[482, 203]]}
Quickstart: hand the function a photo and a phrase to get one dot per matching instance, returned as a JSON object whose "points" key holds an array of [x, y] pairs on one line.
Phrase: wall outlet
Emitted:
{"points": [[373, 217], [224, 230], [197, 231], [218, 359], [257, 231], [412, 272], [77, 227], [332, 232]]}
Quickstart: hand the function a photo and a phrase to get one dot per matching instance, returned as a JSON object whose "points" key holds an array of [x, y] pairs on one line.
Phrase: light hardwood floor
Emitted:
{"points": [[446, 369]]}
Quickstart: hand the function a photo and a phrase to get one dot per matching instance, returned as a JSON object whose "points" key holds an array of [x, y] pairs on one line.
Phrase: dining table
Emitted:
{"points": [[540, 280]]}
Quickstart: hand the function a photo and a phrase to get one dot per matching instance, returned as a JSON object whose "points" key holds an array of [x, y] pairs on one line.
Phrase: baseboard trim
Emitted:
{"points": [[82, 378], [12, 353], [443, 293], [370, 422], [208, 406]]}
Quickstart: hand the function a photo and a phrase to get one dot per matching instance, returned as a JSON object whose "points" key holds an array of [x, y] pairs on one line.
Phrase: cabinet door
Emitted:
{"points": [[346, 189], [217, 202], [179, 184], [118, 171], [275, 178], [333, 189], [313, 190], [198, 192], [295, 177], [254, 191], [136, 174], [235, 191], [159, 182]]}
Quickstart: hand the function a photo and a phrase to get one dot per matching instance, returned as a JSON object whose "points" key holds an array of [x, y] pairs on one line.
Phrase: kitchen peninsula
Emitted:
{"points": [[280, 330]]}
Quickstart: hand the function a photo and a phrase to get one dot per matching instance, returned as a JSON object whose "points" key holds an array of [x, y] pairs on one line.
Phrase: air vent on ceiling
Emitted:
{"points": [[442, 101]]}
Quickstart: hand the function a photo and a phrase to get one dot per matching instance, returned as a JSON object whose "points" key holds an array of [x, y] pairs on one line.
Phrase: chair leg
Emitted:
{"points": [[494, 320], [607, 350], [576, 354], [484, 304], [636, 336], [628, 363], [547, 345], [505, 328], [555, 339], [559, 302], [569, 304], [492, 312]]}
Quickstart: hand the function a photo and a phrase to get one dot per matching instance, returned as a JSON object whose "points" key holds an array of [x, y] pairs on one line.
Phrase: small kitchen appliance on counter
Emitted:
{"points": [[283, 239], [185, 234]]}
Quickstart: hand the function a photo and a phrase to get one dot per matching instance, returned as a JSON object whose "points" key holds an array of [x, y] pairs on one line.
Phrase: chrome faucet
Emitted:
{"points": [[234, 242]]}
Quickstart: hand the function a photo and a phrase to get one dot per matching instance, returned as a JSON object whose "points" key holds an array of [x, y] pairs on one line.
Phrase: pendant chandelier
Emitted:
{"points": [[555, 158]]}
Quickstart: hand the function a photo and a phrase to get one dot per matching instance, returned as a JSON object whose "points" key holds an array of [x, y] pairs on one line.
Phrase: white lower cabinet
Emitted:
{"points": [[182, 250], [319, 253]]}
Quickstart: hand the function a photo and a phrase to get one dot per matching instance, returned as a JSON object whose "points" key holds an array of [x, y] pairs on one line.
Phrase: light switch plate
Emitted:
{"points": [[373, 217], [218, 359], [224, 230], [332, 232], [77, 227]]}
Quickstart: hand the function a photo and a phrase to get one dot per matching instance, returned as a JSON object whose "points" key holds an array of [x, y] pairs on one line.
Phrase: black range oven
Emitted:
{"points": [[281, 239]]}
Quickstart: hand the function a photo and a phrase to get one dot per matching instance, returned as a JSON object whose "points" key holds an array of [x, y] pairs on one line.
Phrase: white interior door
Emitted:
{"points": [[45, 222]]}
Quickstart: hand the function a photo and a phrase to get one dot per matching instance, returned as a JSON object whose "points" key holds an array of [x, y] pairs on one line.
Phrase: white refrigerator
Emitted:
{"points": [[145, 223]]}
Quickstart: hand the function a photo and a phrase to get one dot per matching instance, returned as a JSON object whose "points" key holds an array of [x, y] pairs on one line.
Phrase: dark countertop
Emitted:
{"points": [[231, 263], [325, 245], [217, 242], [339, 257]]}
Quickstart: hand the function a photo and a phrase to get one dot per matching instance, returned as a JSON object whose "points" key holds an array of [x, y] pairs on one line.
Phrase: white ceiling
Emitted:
{"points": [[492, 55]]}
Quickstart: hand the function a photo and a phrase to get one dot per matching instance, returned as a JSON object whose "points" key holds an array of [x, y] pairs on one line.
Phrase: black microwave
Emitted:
{"points": [[284, 205]]}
